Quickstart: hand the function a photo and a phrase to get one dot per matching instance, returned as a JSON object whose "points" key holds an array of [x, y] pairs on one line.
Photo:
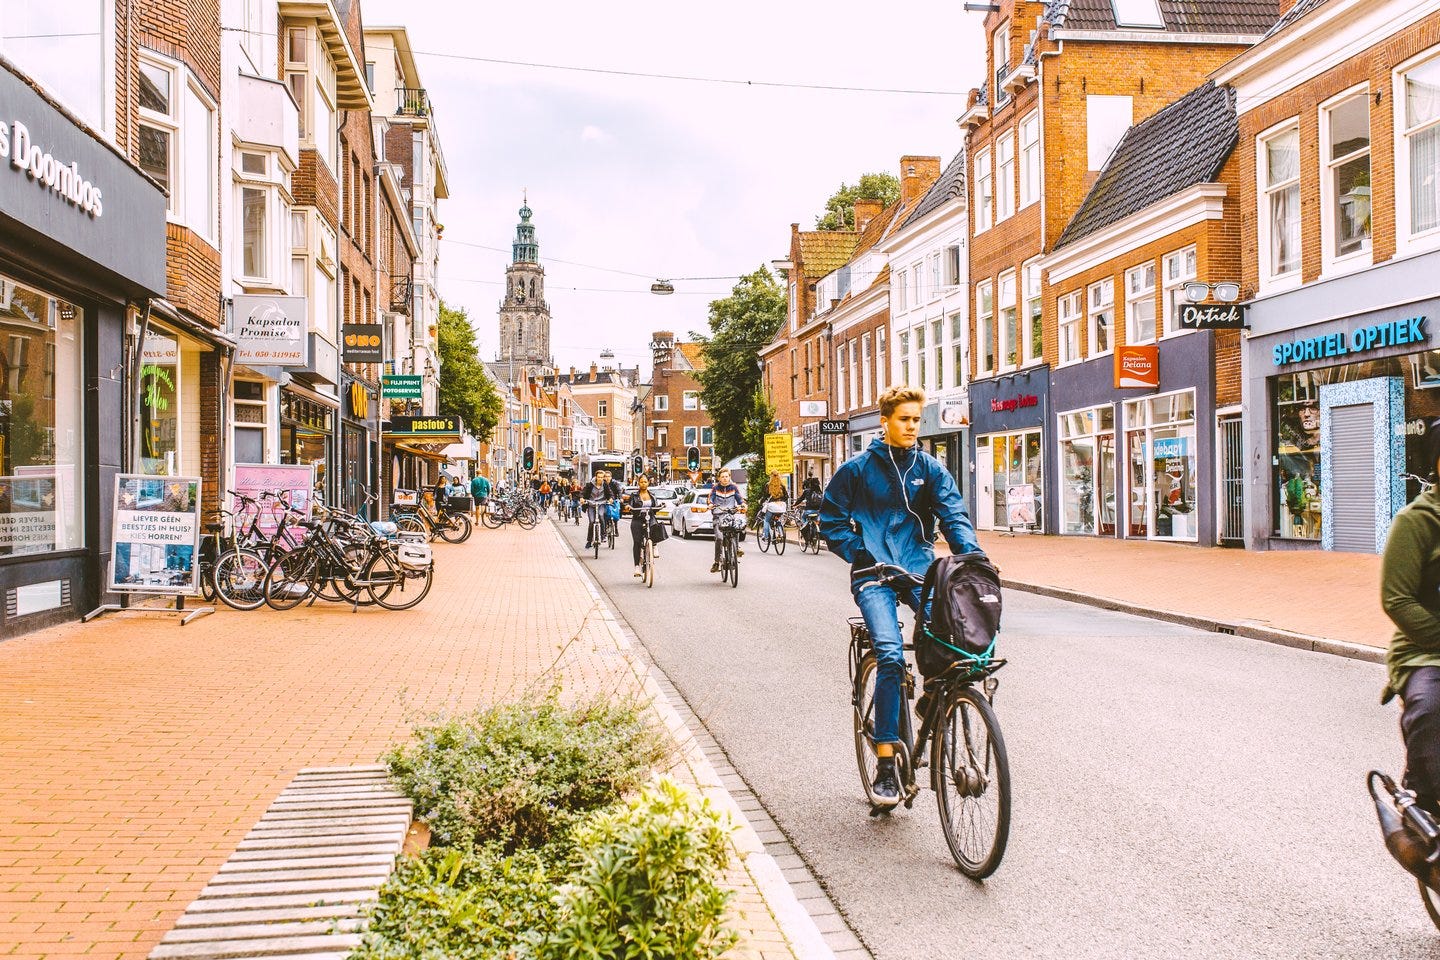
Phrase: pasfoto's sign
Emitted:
{"points": [[1377, 336], [422, 426], [66, 181], [1212, 316], [1137, 366], [997, 405]]}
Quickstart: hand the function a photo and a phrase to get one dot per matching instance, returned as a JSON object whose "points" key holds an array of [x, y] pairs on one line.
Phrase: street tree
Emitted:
{"points": [[840, 208], [741, 325], [466, 390]]}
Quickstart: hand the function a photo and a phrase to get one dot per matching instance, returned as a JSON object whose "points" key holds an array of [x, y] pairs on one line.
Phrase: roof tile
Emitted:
{"points": [[1249, 17], [950, 186], [823, 251]]}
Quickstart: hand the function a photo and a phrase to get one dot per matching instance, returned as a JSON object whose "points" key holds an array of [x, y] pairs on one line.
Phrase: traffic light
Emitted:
{"points": [[638, 464], [692, 458], [528, 458]]}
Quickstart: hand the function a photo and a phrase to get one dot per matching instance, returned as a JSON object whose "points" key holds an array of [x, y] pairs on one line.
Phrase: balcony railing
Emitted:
{"points": [[402, 291], [412, 102]]}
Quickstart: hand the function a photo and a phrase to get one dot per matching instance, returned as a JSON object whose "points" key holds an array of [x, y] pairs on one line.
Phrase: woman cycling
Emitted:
{"points": [[642, 513], [724, 495], [775, 492]]}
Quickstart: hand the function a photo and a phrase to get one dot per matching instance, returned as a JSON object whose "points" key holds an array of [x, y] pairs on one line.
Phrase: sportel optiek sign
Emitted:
{"points": [[48, 173], [1378, 336]]}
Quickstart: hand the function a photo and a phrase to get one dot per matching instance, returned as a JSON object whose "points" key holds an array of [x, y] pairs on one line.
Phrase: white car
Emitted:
{"points": [[691, 514], [665, 498]]}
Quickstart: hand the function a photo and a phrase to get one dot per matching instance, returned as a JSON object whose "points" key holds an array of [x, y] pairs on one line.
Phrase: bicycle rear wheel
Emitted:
{"points": [[456, 529], [490, 516], [971, 775], [410, 523], [763, 540], [779, 541], [238, 579], [527, 518], [393, 586], [290, 580]]}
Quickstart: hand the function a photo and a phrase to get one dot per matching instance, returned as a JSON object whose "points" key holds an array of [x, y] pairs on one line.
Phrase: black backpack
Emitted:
{"points": [[964, 594]]}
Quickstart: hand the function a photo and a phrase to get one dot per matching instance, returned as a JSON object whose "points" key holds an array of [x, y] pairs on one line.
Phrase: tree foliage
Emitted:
{"points": [[466, 390], [741, 325], [840, 208]]}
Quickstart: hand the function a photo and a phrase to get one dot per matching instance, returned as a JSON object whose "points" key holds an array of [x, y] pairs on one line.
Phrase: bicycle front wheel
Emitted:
{"points": [[457, 528], [733, 552], [971, 776], [649, 559], [290, 580], [527, 518], [238, 579], [393, 586], [491, 518]]}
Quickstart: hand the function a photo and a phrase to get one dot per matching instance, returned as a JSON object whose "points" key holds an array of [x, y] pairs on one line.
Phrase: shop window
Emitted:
{"points": [[1163, 467], [41, 429], [1419, 152], [1016, 471], [1009, 321], [1140, 304], [1087, 461], [1070, 320], [984, 189], [1280, 203], [1034, 334], [1346, 180], [159, 405], [1005, 177], [1179, 269], [1297, 454], [1029, 160], [985, 326]]}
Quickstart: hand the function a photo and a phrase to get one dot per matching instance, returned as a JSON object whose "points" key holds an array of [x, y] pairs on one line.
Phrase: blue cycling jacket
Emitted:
{"points": [[867, 519]]}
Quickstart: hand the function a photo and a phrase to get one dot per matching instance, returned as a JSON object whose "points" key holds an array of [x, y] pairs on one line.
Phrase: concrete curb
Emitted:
{"points": [[795, 922], [1250, 629]]}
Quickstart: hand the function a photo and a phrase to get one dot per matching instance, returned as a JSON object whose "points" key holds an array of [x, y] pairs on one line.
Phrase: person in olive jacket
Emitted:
{"points": [[1410, 594]]}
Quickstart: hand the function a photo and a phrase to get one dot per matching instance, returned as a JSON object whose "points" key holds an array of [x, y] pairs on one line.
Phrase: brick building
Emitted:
{"points": [[1148, 431], [1064, 81], [607, 395], [677, 417], [1339, 163], [796, 367]]}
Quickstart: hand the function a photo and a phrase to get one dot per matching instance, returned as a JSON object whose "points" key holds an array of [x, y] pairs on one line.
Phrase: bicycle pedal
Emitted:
{"points": [[880, 811]]}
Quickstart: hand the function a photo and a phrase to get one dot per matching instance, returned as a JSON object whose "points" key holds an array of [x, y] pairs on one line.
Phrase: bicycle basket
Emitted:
{"points": [[732, 521], [414, 556]]}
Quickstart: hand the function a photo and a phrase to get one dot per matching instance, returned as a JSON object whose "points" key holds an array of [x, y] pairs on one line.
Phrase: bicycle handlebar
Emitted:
{"points": [[886, 573]]}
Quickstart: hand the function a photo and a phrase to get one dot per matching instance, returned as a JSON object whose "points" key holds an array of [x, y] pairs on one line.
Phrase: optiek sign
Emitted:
{"points": [[34, 161], [1378, 336]]}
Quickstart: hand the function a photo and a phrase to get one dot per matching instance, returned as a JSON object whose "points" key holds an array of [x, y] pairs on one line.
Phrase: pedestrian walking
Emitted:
{"points": [[480, 492]]}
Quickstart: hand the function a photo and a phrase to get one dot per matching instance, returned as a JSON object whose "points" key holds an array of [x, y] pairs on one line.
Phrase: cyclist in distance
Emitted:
{"points": [[775, 492], [723, 494], [1409, 581], [641, 506], [811, 499], [883, 507], [595, 490]]}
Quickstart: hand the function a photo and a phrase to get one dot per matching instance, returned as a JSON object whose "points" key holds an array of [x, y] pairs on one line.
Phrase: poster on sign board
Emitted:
{"points": [[1020, 505], [296, 480], [270, 331], [156, 534]]}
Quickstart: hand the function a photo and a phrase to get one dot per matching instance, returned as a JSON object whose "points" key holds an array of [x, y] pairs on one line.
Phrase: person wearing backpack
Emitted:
{"points": [[883, 506]]}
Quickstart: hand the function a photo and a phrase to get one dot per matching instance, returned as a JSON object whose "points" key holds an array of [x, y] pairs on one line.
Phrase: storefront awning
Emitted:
{"points": [[425, 451]]}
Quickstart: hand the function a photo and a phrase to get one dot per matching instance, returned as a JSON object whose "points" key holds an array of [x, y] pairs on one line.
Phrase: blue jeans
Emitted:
{"points": [[765, 524], [877, 606]]}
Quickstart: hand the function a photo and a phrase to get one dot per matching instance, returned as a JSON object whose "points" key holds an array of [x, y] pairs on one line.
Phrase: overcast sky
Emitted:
{"points": [[657, 177]]}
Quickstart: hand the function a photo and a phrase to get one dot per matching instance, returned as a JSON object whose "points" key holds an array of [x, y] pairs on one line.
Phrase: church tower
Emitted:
{"points": [[524, 314]]}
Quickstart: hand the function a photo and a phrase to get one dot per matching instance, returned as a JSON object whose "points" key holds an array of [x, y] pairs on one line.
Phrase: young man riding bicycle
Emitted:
{"points": [[883, 507]]}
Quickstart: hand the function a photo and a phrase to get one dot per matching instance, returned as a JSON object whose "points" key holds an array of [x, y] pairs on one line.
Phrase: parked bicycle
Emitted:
{"points": [[343, 556], [729, 527], [969, 768], [500, 510], [230, 571], [452, 526]]}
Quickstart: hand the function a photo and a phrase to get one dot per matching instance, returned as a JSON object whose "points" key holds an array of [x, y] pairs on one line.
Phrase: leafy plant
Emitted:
{"points": [[840, 208], [519, 774], [741, 325], [466, 390], [647, 882]]}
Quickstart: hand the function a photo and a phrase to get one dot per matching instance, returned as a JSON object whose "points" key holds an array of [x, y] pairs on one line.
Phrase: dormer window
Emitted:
{"points": [[1000, 42], [1138, 13]]}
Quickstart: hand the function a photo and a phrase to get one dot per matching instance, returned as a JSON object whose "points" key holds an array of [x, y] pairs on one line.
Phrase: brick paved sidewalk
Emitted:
{"points": [[135, 754], [1335, 596]]}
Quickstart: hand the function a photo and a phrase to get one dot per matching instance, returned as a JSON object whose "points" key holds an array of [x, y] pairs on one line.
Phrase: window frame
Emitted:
{"points": [[1173, 290], [902, 302], [1264, 193], [1029, 161], [690, 400], [866, 364], [1007, 328], [662, 403], [1033, 309], [1331, 258], [985, 327], [1407, 238], [1005, 177], [840, 395], [1094, 311], [1070, 315], [1138, 297], [984, 190]]}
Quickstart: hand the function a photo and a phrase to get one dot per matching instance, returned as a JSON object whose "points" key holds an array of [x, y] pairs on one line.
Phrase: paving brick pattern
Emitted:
{"points": [[135, 754]]}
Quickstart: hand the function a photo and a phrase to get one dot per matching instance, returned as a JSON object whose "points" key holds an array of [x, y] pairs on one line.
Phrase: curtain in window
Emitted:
{"points": [[1283, 163], [1422, 105]]}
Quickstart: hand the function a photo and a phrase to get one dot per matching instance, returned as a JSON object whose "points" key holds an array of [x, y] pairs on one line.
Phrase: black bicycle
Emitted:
{"points": [[599, 524], [810, 534], [969, 769], [729, 527], [776, 537], [647, 547]]}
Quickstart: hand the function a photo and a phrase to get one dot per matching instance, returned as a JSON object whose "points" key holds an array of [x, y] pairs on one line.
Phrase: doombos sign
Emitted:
{"points": [[48, 172]]}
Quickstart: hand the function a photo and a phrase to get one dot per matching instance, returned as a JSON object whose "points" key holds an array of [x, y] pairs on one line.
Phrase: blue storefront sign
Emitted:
{"points": [[1171, 447], [1378, 336]]}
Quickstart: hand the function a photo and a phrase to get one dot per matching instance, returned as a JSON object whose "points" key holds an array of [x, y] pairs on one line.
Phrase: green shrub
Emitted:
{"points": [[646, 882], [519, 774], [462, 905]]}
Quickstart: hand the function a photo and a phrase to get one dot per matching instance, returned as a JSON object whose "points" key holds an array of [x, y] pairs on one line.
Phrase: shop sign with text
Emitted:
{"points": [[835, 428], [401, 386], [1379, 336], [423, 426], [1211, 316], [363, 343], [46, 171], [1137, 366], [270, 331], [1010, 404]]}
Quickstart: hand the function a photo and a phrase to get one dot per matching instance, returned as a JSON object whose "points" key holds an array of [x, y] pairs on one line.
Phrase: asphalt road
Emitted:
{"points": [[1176, 793]]}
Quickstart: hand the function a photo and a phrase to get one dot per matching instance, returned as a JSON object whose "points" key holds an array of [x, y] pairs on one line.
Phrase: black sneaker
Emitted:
{"points": [[885, 791]]}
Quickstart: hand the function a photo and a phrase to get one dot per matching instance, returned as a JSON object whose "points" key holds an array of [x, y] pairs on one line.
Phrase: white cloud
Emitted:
{"points": [[593, 134]]}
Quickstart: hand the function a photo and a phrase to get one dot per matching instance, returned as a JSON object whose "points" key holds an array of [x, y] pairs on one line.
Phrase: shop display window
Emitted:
{"points": [[1087, 461], [1163, 467], [159, 405], [41, 431], [1016, 462], [1297, 453]]}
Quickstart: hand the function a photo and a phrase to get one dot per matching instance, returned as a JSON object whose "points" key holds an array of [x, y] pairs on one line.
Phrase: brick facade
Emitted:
{"points": [[671, 380], [192, 274]]}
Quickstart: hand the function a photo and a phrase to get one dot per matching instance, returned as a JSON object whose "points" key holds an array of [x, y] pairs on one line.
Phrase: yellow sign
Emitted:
{"points": [[780, 452], [359, 400]]}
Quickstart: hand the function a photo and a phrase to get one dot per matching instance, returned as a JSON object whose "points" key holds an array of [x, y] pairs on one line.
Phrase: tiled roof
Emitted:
{"points": [[694, 353], [1250, 17], [1301, 9], [950, 185], [826, 250], [881, 278], [1184, 144]]}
